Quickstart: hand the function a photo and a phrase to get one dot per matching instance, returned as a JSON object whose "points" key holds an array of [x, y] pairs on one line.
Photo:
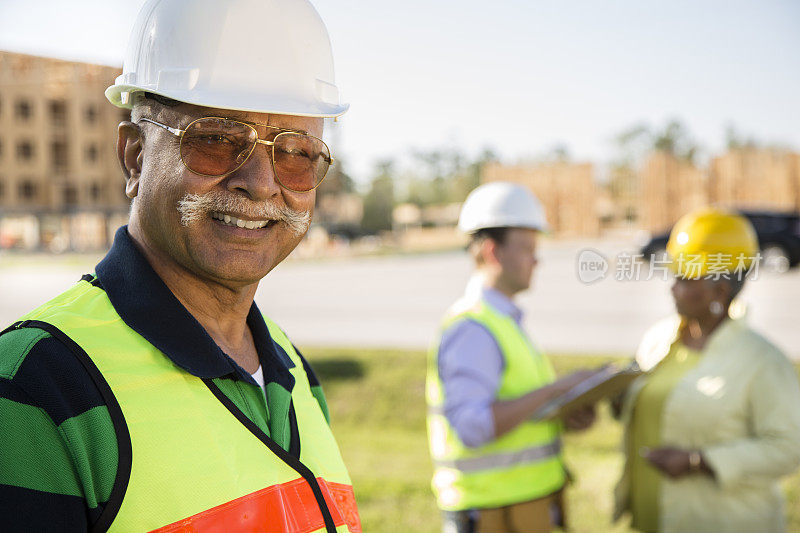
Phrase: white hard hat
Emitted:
{"points": [[268, 56], [501, 205]]}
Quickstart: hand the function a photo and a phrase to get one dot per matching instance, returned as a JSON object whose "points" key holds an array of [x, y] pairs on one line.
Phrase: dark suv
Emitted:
{"points": [[778, 237]]}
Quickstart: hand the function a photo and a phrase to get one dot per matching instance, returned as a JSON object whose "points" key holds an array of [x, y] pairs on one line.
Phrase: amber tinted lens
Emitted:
{"points": [[301, 161], [215, 146]]}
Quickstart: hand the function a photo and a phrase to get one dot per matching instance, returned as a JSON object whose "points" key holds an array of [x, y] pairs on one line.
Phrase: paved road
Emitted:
{"points": [[397, 301]]}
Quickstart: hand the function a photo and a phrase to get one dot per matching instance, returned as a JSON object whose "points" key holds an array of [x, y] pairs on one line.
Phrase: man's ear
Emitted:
{"points": [[489, 252], [130, 155]]}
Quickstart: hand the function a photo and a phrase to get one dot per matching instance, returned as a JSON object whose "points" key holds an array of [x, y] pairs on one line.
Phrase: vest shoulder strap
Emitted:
{"points": [[16, 343], [36, 329]]}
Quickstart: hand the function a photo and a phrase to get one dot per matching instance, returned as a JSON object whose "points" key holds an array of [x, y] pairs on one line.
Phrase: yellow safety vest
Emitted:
{"points": [[521, 465], [197, 463]]}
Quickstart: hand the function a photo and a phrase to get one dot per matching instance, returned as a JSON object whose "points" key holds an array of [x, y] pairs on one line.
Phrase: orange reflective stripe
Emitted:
{"points": [[286, 508], [340, 497]]}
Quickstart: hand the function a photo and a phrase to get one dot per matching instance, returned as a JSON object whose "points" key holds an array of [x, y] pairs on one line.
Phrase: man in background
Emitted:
{"points": [[495, 468]]}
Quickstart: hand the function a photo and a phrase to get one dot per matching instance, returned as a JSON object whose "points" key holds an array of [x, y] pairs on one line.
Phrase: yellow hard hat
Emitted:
{"points": [[712, 242]]}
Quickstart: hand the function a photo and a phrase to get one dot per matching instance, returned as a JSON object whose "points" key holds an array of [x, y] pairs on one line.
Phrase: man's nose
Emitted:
{"points": [[256, 177]]}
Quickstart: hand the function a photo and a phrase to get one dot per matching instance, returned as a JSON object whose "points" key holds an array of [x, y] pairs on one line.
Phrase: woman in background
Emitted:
{"points": [[715, 421]]}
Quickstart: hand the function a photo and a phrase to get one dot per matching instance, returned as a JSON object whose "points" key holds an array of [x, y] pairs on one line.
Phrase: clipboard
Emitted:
{"points": [[608, 381]]}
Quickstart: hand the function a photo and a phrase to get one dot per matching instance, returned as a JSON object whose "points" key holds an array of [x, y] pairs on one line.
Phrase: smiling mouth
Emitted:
{"points": [[229, 220]]}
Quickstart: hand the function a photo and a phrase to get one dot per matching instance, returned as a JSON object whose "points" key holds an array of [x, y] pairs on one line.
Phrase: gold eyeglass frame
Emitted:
{"points": [[283, 131]]}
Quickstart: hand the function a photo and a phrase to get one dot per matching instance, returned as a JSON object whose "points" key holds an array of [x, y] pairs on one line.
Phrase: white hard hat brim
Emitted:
{"points": [[121, 95], [541, 228]]}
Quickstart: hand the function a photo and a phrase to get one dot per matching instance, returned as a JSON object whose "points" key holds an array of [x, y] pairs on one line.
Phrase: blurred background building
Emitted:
{"points": [[61, 187], [654, 196], [743, 178], [60, 183], [570, 195]]}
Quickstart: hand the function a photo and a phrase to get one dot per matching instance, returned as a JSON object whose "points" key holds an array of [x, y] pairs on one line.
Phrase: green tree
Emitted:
{"points": [[558, 153], [444, 175], [337, 180], [379, 200], [676, 140], [429, 183], [633, 145], [734, 140], [469, 176]]}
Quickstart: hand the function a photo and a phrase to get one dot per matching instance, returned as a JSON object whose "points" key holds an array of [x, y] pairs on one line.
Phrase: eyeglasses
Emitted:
{"points": [[215, 147]]}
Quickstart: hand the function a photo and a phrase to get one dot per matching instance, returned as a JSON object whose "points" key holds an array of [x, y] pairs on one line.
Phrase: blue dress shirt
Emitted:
{"points": [[470, 368]]}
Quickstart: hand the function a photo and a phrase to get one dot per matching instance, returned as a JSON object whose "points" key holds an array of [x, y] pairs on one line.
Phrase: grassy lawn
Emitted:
{"points": [[378, 407]]}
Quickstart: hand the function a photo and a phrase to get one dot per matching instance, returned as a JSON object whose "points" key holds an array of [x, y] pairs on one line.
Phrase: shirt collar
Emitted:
{"points": [[502, 303], [146, 305]]}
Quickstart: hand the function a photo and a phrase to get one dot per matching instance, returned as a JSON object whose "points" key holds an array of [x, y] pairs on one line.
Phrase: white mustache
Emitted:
{"points": [[195, 207]]}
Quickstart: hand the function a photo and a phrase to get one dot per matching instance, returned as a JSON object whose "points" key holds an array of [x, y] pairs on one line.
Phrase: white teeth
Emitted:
{"points": [[233, 221]]}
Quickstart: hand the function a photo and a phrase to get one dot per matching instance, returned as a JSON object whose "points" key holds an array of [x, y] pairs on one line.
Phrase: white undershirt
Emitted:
{"points": [[258, 375]]}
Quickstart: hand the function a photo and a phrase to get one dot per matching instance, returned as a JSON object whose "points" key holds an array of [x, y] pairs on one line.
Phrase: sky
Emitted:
{"points": [[517, 76]]}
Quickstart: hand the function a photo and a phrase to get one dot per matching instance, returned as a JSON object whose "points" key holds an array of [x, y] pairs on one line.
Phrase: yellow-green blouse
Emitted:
{"points": [[646, 432]]}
